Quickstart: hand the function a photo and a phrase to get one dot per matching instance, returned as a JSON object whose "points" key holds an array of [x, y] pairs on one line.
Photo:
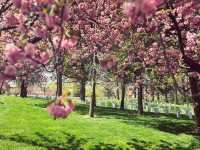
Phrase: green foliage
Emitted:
{"points": [[25, 125]]}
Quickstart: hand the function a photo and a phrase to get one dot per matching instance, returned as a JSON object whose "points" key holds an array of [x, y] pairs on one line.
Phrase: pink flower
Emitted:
{"points": [[50, 21], [11, 20], [69, 43], [18, 65], [29, 50], [140, 30], [83, 6], [134, 9], [25, 6], [56, 40], [108, 64], [131, 10], [60, 111], [2, 77], [10, 70], [41, 32], [17, 3], [196, 20], [149, 6], [45, 1], [66, 14], [13, 54], [44, 57]]}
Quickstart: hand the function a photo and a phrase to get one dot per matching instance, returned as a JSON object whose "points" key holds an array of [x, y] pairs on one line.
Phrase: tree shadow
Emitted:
{"points": [[105, 146], [167, 123], [68, 142], [163, 122], [163, 145]]}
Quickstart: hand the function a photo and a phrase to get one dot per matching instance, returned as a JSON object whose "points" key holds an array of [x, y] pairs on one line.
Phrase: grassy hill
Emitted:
{"points": [[25, 125]]}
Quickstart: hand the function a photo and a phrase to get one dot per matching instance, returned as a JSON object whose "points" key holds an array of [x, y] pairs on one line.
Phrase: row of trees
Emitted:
{"points": [[157, 45]]}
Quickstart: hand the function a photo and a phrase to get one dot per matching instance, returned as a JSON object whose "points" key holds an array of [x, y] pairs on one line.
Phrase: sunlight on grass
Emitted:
{"points": [[25, 124]]}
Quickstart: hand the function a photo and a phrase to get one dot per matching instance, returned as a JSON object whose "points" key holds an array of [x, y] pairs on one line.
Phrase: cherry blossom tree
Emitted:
{"points": [[177, 23], [38, 37], [100, 28]]}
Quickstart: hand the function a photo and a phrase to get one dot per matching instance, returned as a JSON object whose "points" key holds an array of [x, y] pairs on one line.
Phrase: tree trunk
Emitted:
{"points": [[166, 97], [195, 90], [158, 96], [82, 90], [176, 97], [153, 96], [123, 88], [93, 100], [117, 91], [145, 97], [59, 85], [23, 92], [140, 100], [1, 87]]}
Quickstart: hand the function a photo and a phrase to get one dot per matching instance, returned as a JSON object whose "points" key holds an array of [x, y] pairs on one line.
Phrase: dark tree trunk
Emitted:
{"points": [[123, 88], [23, 92], [146, 93], [153, 96], [158, 96], [176, 97], [117, 91], [59, 85], [195, 90], [1, 87], [166, 97], [140, 100], [93, 100], [82, 90]]}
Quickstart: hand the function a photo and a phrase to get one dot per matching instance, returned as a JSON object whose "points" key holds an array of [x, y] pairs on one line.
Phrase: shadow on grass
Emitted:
{"points": [[163, 145], [68, 142], [162, 122]]}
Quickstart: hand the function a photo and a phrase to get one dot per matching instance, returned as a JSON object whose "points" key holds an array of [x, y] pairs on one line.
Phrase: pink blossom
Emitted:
{"points": [[11, 20], [30, 50], [10, 70], [18, 65], [50, 21], [59, 110], [148, 6], [69, 43], [83, 6], [25, 6], [131, 10], [108, 64], [17, 3], [66, 14], [44, 57], [41, 32], [140, 30], [56, 40], [13, 54], [45, 1]]}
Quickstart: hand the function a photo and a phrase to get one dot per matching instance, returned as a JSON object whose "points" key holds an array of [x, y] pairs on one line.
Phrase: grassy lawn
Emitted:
{"points": [[25, 125]]}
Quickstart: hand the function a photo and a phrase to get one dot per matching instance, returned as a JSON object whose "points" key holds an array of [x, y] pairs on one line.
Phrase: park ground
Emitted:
{"points": [[25, 125]]}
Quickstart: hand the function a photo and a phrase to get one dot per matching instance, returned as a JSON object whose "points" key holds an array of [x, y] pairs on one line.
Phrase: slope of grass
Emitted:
{"points": [[25, 125]]}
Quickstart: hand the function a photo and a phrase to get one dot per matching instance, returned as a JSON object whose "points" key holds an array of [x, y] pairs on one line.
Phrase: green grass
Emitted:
{"points": [[25, 125]]}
